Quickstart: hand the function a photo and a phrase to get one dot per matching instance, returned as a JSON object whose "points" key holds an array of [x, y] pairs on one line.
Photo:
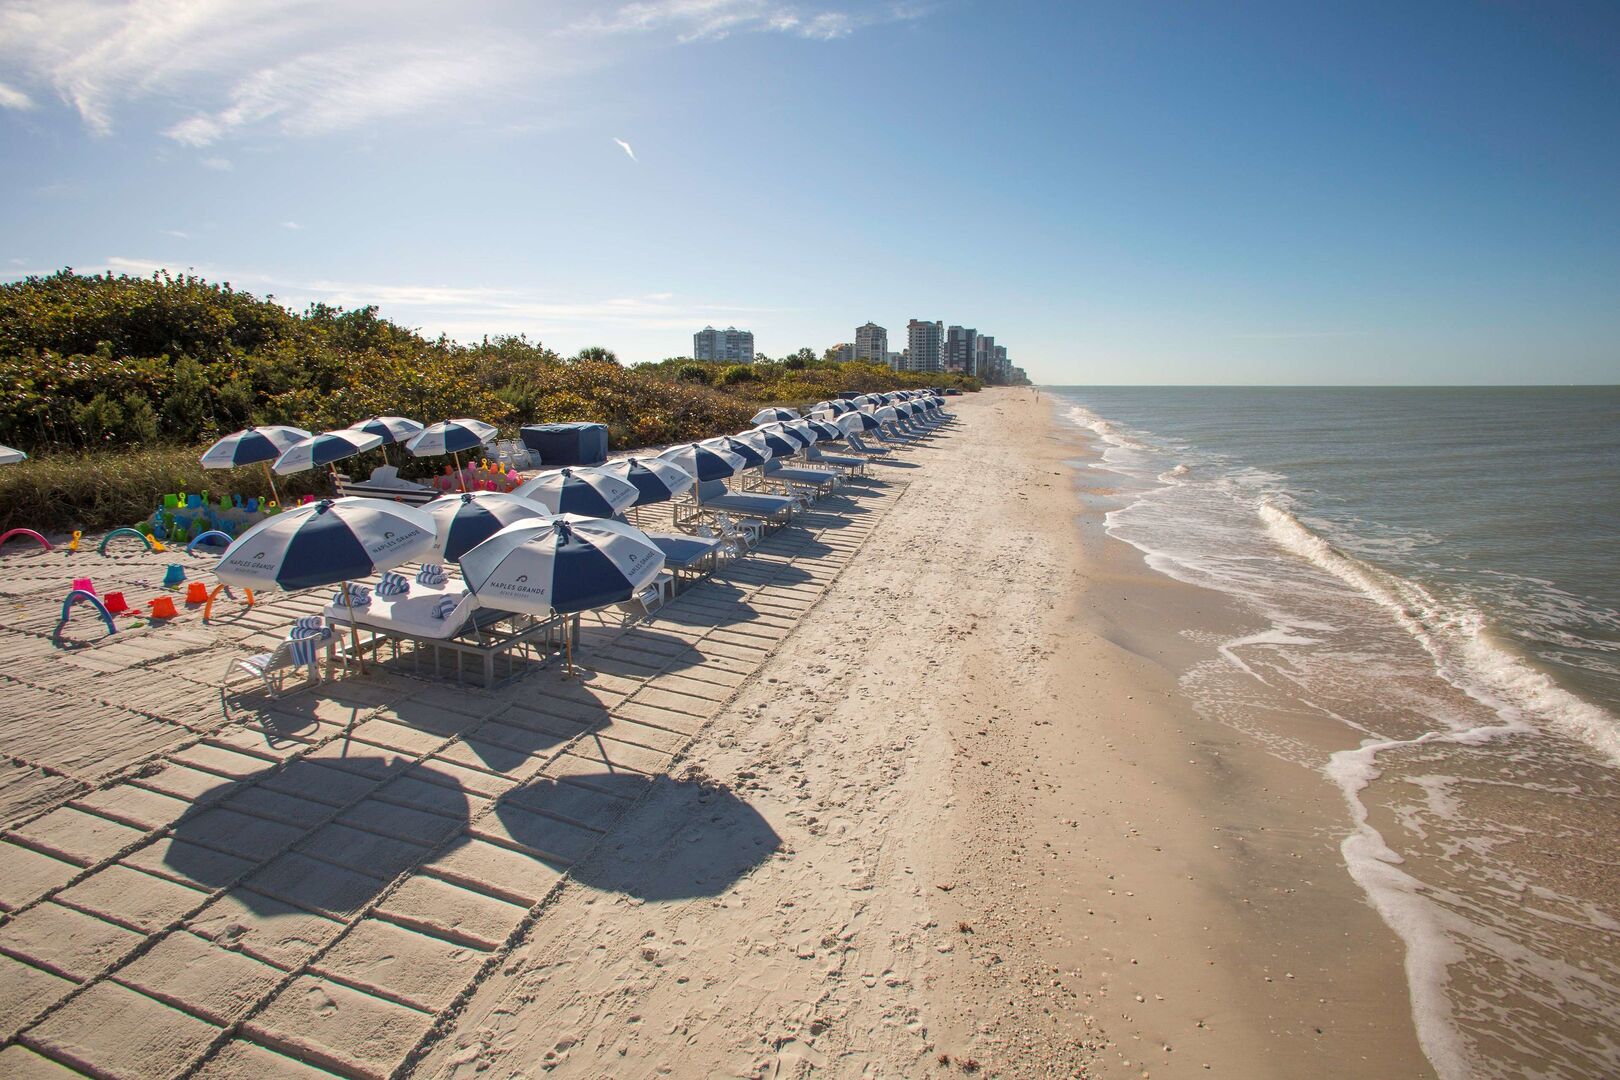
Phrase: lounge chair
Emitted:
{"points": [[713, 495], [820, 481], [855, 466], [385, 483], [860, 445], [302, 648]]}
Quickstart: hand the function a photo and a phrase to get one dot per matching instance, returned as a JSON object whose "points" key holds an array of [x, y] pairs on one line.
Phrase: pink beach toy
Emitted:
{"points": [[82, 584]]}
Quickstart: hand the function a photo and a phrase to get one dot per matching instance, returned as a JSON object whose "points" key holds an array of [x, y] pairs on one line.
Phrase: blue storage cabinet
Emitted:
{"points": [[567, 444]]}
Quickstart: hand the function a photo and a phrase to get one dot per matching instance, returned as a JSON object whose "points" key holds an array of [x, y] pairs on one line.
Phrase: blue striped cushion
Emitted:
{"points": [[393, 584]]}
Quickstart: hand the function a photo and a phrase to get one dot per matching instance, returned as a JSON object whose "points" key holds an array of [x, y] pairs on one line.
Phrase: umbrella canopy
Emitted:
{"points": [[450, 437], [393, 429], [825, 430], [587, 492], [773, 416], [326, 542], [8, 456], [323, 449], [803, 430], [748, 445], [251, 446], [563, 564], [656, 479], [883, 414], [780, 440], [857, 421], [704, 460], [462, 522]]}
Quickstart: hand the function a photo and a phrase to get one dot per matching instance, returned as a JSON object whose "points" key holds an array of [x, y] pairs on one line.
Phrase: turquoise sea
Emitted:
{"points": [[1432, 577]]}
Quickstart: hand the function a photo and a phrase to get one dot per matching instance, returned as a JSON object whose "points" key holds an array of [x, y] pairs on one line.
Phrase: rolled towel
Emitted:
{"points": [[359, 596], [393, 584], [432, 574], [308, 625], [445, 606]]}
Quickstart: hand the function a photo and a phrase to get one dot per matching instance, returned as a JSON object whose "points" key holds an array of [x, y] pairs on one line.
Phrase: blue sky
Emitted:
{"points": [[1120, 192]]}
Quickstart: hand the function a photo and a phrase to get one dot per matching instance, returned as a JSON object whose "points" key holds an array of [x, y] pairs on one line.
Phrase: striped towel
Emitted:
{"points": [[445, 606], [307, 625], [432, 574], [393, 584], [359, 596], [305, 649]]}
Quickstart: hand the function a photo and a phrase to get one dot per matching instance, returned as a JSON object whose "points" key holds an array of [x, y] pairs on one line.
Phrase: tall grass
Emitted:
{"points": [[106, 489]]}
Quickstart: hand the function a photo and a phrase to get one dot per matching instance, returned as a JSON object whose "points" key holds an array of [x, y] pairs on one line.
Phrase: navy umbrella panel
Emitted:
{"points": [[655, 479], [464, 521], [705, 461]]}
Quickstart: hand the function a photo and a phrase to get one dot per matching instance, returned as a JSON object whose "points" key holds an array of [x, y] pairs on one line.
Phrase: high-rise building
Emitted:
{"points": [[984, 356], [872, 343], [843, 352], [923, 345], [731, 344], [959, 349], [1001, 369], [897, 361]]}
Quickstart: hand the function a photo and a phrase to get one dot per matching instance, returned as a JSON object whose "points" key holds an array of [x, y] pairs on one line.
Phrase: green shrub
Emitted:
{"points": [[736, 373]]}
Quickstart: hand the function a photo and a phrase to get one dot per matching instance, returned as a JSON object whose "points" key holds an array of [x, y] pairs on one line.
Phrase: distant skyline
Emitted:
{"points": [[1119, 192]]}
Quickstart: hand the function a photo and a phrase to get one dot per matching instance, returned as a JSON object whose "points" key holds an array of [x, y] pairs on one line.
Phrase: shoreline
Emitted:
{"points": [[1033, 860]]}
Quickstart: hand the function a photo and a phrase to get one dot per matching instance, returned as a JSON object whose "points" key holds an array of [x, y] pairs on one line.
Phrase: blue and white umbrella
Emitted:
{"points": [[323, 449], [825, 429], [656, 479], [322, 543], [858, 421], [462, 522], [781, 442], [746, 445], [704, 460], [773, 416], [451, 437], [804, 431], [392, 429], [587, 492], [563, 564], [252, 446]]}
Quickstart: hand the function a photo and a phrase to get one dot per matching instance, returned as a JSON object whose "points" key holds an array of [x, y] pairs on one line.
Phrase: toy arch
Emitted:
{"points": [[211, 534], [208, 608], [80, 596], [46, 544], [142, 537]]}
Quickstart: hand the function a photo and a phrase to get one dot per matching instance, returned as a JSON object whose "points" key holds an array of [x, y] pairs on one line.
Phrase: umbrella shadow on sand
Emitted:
{"points": [[264, 839]]}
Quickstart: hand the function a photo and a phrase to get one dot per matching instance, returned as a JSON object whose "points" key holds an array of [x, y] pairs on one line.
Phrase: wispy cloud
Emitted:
{"points": [[12, 98], [626, 148], [178, 234], [232, 68], [465, 313], [291, 225]]}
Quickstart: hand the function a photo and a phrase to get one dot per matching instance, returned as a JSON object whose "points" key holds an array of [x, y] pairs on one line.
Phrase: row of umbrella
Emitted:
{"points": [[283, 449]]}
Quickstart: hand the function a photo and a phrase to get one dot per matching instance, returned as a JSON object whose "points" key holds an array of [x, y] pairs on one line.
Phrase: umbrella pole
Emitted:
{"points": [[354, 630], [455, 457], [270, 476]]}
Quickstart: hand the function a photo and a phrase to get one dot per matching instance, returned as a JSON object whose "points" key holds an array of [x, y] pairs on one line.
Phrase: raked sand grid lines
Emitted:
{"points": [[325, 875]]}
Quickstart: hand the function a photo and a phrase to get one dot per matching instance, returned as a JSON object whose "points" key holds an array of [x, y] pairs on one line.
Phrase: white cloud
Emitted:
{"points": [[626, 148], [12, 98], [291, 225], [218, 164], [465, 313], [178, 234], [230, 68]]}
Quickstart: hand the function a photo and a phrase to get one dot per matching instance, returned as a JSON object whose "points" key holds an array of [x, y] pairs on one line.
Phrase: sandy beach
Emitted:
{"points": [[909, 792]]}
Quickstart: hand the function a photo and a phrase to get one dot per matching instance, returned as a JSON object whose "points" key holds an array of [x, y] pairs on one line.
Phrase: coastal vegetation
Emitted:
{"points": [[117, 382]]}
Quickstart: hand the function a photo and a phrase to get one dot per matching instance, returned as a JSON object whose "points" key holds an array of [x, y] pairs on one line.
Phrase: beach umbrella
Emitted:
{"points": [[451, 437], [885, 414], [781, 442], [587, 492], [563, 564], [8, 456], [772, 416], [393, 429], [252, 446], [704, 461], [824, 429], [656, 479], [462, 522], [803, 430], [323, 449], [857, 421], [748, 445], [327, 542]]}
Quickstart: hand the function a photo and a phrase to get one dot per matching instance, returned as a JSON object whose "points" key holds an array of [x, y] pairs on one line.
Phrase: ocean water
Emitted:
{"points": [[1433, 577]]}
